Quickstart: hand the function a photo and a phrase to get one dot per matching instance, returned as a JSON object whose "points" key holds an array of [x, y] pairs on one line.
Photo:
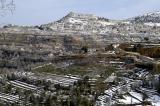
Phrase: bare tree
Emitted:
{"points": [[6, 6]]}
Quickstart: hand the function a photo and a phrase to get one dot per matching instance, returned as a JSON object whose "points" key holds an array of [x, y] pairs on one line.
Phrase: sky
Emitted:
{"points": [[36, 12]]}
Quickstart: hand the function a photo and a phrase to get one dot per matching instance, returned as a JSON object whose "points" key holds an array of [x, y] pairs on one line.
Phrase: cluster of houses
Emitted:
{"points": [[138, 88], [15, 84]]}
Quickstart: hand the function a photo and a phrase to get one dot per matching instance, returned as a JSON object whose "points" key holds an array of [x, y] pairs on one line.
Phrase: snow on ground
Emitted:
{"points": [[137, 95], [130, 96], [154, 97], [152, 24], [131, 100], [73, 20], [126, 22], [128, 100], [106, 23], [153, 14], [155, 100]]}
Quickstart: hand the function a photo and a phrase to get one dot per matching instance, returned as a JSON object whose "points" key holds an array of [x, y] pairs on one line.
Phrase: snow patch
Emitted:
{"points": [[152, 24], [106, 23], [155, 100], [131, 100], [126, 22], [73, 20], [153, 14]]}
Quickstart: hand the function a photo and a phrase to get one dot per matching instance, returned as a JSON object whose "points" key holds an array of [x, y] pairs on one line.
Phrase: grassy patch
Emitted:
{"points": [[88, 69], [156, 69], [77, 70], [48, 69]]}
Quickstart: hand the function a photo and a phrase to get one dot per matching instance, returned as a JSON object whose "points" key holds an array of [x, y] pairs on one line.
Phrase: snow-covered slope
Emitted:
{"points": [[98, 28], [152, 17], [80, 22], [91, 24]]}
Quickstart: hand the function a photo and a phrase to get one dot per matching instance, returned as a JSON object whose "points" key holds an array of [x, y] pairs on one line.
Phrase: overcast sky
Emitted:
{"points": [[36, 12]]}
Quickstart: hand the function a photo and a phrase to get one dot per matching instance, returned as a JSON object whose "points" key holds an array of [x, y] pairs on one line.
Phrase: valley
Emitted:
{"points": [[81, 60]]}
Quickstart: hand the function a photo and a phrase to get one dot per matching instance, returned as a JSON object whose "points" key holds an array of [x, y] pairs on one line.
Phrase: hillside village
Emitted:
{"points": [[81, 60]]}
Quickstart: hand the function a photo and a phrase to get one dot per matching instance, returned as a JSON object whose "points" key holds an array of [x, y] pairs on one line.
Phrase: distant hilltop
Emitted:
{"points": [[100, 29], [152, 17], [81, 15]]}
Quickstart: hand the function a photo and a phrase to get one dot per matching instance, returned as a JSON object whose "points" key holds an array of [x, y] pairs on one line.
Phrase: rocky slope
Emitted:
{"points": [[106, 30], [77, 29], [88, 23], [152, 17]]}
